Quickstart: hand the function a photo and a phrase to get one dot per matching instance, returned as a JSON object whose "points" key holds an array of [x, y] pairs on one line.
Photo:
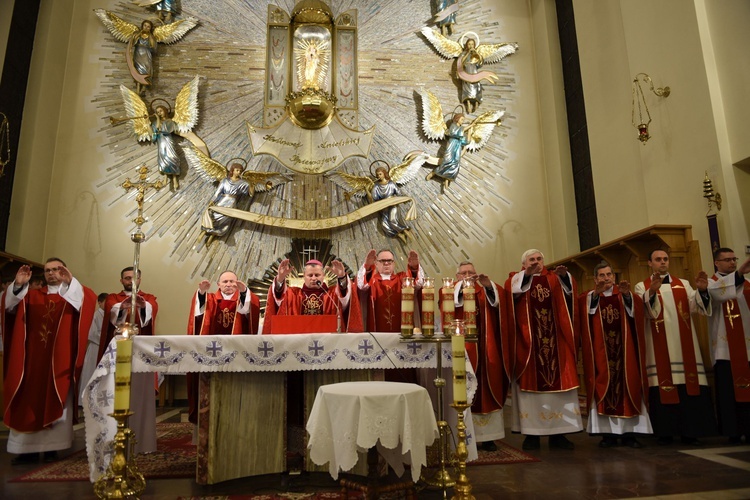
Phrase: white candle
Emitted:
{"points": [[428, 307], [122, 373], [407, 307], [446, 301], [459, 367]]}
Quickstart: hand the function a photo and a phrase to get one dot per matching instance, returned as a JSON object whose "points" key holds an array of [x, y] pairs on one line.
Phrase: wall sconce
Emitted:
{"points": [[639, 101], [709, 195]]}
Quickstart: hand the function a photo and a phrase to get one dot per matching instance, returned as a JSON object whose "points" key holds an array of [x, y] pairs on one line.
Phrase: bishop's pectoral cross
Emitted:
{"points": [[137, 236]]}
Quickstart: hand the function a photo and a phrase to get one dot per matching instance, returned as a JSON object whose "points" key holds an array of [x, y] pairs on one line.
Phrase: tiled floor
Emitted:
{"points": [[714, 471]]}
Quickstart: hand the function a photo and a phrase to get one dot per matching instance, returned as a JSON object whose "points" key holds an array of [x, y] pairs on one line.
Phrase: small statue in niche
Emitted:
{"points": [[445, 17], [235, 183], [470, 57], [166, 9], [383, 184], [457, 137], [159, 127], [312, 62], [142, 42]]}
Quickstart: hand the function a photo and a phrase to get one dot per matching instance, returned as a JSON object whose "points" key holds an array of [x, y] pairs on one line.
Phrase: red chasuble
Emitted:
{"points": [[296, 302], [44, 347], [738, 362], [384, 304], [540, 350], [613, 346], [108, 329], [486, 354]]}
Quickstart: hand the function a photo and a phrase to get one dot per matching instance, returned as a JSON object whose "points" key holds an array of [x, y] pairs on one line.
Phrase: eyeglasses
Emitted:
{"points": [[51, 270], [385, 261], [728, 259]]}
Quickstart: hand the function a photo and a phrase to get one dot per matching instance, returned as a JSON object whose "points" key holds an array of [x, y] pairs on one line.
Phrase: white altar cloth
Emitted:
{"points": [[354, 416], [244, 353]]}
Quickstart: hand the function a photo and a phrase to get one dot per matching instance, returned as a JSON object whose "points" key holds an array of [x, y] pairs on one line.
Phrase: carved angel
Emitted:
{"points": [[470, 57], [385, 184], [142, 42], [472, 137], [160, 128], [235, 182]]}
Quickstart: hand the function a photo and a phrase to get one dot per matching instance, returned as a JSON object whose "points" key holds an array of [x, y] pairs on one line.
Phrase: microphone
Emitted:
{"points": [[321, 285], [324, 286]]}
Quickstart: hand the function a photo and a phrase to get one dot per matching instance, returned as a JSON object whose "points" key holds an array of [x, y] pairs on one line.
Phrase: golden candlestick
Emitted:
{"points": [[462, 490], [122, 479]]}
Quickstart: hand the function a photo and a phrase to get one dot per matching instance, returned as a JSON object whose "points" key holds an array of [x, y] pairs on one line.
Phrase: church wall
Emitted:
{"points": [[67, 204], [6, 13], [659, 182]]}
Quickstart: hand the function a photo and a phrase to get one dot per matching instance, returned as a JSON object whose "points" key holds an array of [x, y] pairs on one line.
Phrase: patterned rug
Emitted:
{"points": [[174, 458], [505, 454]]}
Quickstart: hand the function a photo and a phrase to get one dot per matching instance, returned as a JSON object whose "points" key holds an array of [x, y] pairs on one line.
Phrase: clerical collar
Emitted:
{"points": [[385, 276], [128, 293], [227, 297], [53, 289]]}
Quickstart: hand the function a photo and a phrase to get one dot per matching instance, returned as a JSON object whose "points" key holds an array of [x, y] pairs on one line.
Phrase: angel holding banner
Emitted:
{"points": [[235, 182], [159, 127], [385, 185], [456, 135], [142, 42], [470, 57]]}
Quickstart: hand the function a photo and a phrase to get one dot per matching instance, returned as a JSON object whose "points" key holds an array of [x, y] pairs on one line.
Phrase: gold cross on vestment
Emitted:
{"points": [[141, 186], [729, 315], [656, 323]]}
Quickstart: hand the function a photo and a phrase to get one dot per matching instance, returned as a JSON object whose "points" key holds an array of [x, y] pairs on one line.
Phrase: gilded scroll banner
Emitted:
{"points": [[310, 151], [327, 223]]}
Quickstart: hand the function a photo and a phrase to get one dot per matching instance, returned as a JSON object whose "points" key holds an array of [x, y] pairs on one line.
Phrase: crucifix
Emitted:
{"points": [[137, 236]]}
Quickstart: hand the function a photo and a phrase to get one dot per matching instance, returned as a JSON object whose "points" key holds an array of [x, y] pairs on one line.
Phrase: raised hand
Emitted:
{"points": [[203, 286], [22, 276], [337, 268], [370, 259], [484, 280], [241, 286], [284, 269], [624, 287], [701, 281], [64, 274], [561, 271], [655, 283], [413, 261]]}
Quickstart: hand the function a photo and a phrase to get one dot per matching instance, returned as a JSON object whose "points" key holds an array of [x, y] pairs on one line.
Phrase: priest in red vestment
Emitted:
{"points": [[45, 337], [143, 386], [117, 310], [540, 352], [614, 360], [486, 354], [315, 297], [729, 327], [232, 310], [381, 285]]}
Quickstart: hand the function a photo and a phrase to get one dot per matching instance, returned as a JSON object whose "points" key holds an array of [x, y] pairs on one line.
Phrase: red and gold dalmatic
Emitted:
{"points": [[301, 301], [542, 342], [614, 350], [384, 307], [486, 355], [43, 350]]}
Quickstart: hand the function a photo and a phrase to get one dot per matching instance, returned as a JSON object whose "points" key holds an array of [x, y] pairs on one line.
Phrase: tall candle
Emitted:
{"points": [[470, 308], [428, 307], [446, 302], [407, 307], [458, 350], [122, 373]]}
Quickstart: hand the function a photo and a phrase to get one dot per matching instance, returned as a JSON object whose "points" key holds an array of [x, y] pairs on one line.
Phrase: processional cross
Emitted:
{"points": [[137, 236]]}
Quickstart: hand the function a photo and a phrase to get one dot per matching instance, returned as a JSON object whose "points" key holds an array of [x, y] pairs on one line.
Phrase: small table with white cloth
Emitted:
{"points": [[395, 417]]}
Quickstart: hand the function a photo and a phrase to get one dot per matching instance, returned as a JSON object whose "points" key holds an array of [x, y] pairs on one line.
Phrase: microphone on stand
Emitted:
{"points": [[336, 302]]}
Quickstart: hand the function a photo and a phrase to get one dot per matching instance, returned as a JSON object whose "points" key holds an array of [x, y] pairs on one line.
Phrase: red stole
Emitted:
{"points": [[108, 329], [613, 356], [667, 393], [544, 334], [43, 357], [730, 310], [485, 355], [292, 304], [220, 316]]}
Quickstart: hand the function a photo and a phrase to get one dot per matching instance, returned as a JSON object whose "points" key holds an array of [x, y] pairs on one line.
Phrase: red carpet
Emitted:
{"points": [[505, 454], [174, 458]]}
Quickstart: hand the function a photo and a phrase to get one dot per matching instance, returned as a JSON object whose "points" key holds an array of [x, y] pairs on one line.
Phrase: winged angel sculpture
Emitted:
{"points": [[457, 137], [157, 126], [383, 184], [235, 182], [470, 57], [142, 42]]}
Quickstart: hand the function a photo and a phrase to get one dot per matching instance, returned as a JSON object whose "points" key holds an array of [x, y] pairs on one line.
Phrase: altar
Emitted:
{"points": [[242, 407]]}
